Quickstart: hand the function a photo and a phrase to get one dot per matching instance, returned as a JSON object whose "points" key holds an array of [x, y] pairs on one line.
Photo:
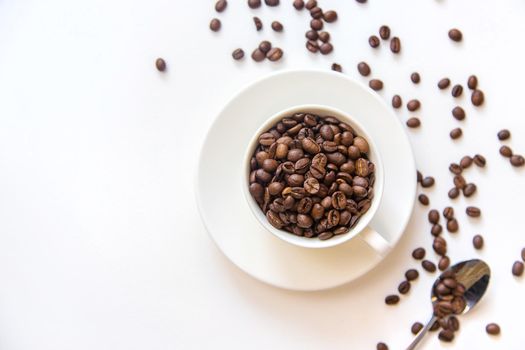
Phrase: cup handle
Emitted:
{"points": [[377, 242]]}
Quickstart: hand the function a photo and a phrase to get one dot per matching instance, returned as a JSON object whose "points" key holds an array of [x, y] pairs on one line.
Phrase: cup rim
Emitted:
{"points": [[303, 241]]}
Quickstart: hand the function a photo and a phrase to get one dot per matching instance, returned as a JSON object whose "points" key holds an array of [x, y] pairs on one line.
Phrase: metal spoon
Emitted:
{"points": [[474, 275]]}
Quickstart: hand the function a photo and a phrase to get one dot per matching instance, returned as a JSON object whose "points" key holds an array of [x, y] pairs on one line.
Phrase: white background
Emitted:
{"points": [[101, 245]]}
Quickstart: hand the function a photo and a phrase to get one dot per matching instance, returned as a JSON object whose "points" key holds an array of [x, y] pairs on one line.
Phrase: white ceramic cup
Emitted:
{"points": [[361, 229]]}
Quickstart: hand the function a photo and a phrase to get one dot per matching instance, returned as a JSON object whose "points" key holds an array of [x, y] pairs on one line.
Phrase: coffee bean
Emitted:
{"points": [[416, 327], [415, 77], [455, 35], [427, 182], [413, 105], [455, 168], [477, 241], [310, 4], [375, 84], [257, 192], [428, 265], [361, 1], [460, 182], [436, 230], [396, 101], [477, 98], [453, 323], [479, 160], [493, 329], [404, 287], [160, 64], [473, 212], [456, 133], [517, 160], [435, 326], [258, 23], [324, 37], [413, 122], [316, 13], [452, 226], [395, 45], [457, 90], [337, 67], [458, 113], [444, 263], [418, 253], [469, 189], [271, 3], [270, 165], [221, 5], [363, 69], [265, 46], [384, 32], [258, 55], [444, 83], [238, 54], [379, 346], [505, 151], [423, 199], [453, 193], [330, 16], [215, 25], [517, 268], [373, 41], [274, 219], [298, 4], [361, 144], [325, 235], [440, 245], [312, 46], [392, 299], [523, 254], [277, 26], [433, 216], [466, 162], [312, 35], [419, 176], [472, 82], [448, 213], [316, 24], [446, 335], [326, 48], [503, 134], [275, 54]]}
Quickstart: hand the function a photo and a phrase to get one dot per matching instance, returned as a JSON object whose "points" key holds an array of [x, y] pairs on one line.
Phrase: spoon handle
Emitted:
{"points": [[422, 333]]}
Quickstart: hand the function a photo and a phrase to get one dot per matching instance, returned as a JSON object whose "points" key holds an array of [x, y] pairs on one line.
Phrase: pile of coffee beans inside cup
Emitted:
{"points": [[311, 175]]}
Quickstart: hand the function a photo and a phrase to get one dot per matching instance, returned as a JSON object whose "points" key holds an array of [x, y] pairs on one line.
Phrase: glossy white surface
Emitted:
{"points": [[101, 244]]}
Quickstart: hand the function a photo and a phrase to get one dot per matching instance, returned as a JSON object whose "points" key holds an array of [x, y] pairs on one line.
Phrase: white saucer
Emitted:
{"points": [[225, 211]]}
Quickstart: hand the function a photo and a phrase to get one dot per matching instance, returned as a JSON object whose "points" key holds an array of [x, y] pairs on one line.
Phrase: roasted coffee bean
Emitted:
{"points": [[274, 219], [453, 193], [423, 199], [330, 16], [275, 54], [493, 329], [316, 12], [479, 160], [395, 45], [453, 323], [270, 165], [373, 41], [433, 216], [472, 82], [452, 226], [363, 68], [277, 26], [298, 4], [477, 98], [347, 138], [411, 274], [446, 335], [455, 35], [396, 101], [257, 192], [160, 64], [457, 90], [517, 268], [215, 25], [436, 230], [477, 241], [392, 299], [238, 54], [361, 144], [473, 212], [419, 176], [523, 254], [271, 3], [362, 2], [448, 213], [444, 263], [456, 133], [337, 67], [304, 221], [503, 134], [327, 132], [435, 326], [339, 200], [312, 35], [444, 83], [384, 32], [221, 5], [455, 168], [380, 345], [316, 24], [324, 37], [258, 23], [505, 151], [258, 55], [427, 182], [413, 105], [404, 287], [460, 182], [416, 327], [428, 265], [469, 190], [253, 4], [466, 162], [361, 169], [440, 246], [326, 48], [517, 160], [262, 176], [413, 122], [310, 4], [418, 253], [458, 113], [325, 235], [415, 77]]}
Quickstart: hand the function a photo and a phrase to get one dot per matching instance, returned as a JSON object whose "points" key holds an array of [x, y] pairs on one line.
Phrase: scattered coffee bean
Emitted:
{"points": [[271, 3], [458, 113], [423, 199], [275, 54], [473, 212], [330, 16], [312, 35], [277, 26], [253, 4], [505, 151], [517, 268], [435, 326], [419, 253], [453, 323], [466, 162], [469, 190], [455, 169], [380, 346], [337, 67], [316, 13], [413, 105], [457, 90], [384, 32], [419, 176], [477, 98], [160, 64], [258, 23], [316, 24], [455, 35], [436, 230], [324, 37], [411, 275], [221, 5], [472, 82], [404, 287], [444, 83], [503, 134], [312, 46], [416, 327], [376, 84], [440, 245], [453, 193], [392, 299], [395, 45], [215, 25], [460, 182], [415, 77], [310, 4], [517, 160], [258, 55], [477, 241], [456, 133], [444, 263], [396, 101], [433, 216], [452, 226], [265, 46], [427, 182], [428, 266], [446, 335], [238, 54], [413, 122], [479, 160], [448, 213], [373, 41], [363, 68], [298, 4], [493, 329], [326, 48]]}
